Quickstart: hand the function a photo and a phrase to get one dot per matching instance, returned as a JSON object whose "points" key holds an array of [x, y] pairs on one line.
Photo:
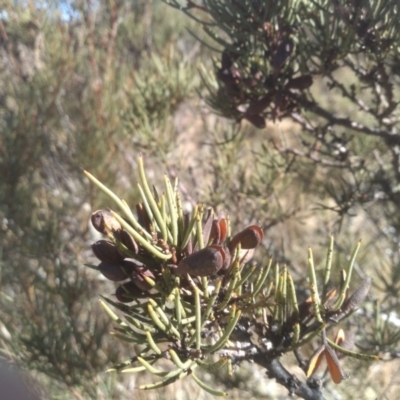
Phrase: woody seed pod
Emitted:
{"points": [[128, 241], [258, 106], [104, 222], [215, 233], [334, 367], [107, 252], [205, 262], [143, 218], [301, 83], [219, 231], [249, 238], [257, 120], [113, 272], [207, 229], [357, 297]]}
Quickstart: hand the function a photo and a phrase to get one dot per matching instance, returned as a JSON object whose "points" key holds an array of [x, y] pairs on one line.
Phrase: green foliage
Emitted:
{"points": [[66, 96], [191, 289]]}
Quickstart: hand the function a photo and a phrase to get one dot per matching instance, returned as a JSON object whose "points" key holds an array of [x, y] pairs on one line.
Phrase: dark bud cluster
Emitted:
{"points": [[123, 259]]}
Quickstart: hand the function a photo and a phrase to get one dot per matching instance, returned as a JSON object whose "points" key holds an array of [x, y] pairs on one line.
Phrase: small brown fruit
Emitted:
{"points": [[104, 222], [113, 272], [249, 238], [257, 120], [258, 106], [128, 241], [107, 252], [301, 83], [205, 262]]}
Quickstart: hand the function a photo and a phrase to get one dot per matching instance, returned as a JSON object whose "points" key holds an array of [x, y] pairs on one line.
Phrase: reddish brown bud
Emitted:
{"points": [[107, 252], [219, 231], [104, 222], [113, 272], [143, 218], [258, 106], [207, 228], [282, 54], [215, 233], [227, 260], [357, 297], [334, 367], [205, 262], [301, 83], [128, 241], [223, 227], [249, 238], [257, 120], [128, 292]]}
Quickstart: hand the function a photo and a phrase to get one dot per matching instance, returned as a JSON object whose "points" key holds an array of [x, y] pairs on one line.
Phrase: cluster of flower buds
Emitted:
{"points": [[256, 92], [123, 259], [186, 278], [118, 257], [216, 257]]}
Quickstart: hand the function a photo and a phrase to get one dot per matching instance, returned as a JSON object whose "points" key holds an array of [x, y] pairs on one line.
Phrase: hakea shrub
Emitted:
{"points": [[185, 281]]}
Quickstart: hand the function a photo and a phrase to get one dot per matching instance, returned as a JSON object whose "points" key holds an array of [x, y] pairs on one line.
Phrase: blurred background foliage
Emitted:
{"points": [[91, 85]]}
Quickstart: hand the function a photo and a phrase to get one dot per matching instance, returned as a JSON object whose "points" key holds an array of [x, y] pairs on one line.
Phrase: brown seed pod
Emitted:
{"points": [[301, 83], [215, 233], [223, 227], [107, 252], [138, 277], [227, 260], [315, 360], [143, 218], [207, 228], [127, 240], [258, 106], [205, 262], [219, 231], [128, 292], [104, 222], [334, 367], [282, 54], [113, 272], [357, 297], [257, 120], [249, 238]]}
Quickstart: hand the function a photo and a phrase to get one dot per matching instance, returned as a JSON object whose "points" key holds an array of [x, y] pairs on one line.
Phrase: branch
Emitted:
{"points": [[390, 137], [309, 391]]}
